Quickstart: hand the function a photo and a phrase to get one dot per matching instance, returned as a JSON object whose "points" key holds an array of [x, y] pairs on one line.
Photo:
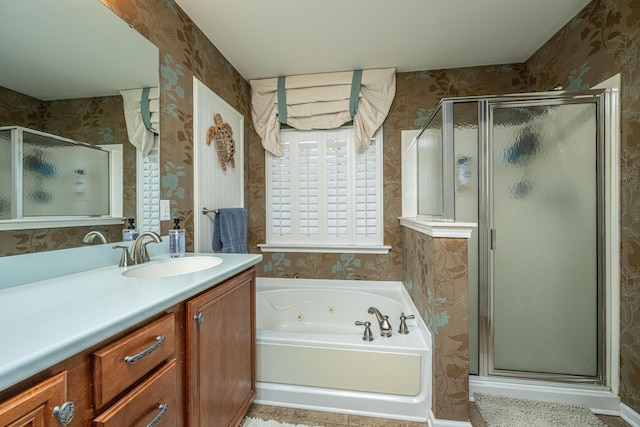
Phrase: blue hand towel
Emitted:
{"points": [[230, 231]]}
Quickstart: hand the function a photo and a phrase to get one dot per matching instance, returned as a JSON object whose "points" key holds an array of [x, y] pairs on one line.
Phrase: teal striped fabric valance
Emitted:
{"points": [[282, 100], [145, 112], [356, 81], [322, 101], [354, 97]]}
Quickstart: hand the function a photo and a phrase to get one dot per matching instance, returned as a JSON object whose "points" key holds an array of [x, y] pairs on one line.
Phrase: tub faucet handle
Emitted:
{"points": [[368, 336], [403, 323]]}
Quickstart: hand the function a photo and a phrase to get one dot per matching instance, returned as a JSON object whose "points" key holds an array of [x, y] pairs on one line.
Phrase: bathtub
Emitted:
{"points": [[311, 355]]}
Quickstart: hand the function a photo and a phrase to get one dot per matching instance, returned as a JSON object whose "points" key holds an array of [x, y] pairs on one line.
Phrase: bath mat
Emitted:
{"points": [[257, 422], [498, 411]]}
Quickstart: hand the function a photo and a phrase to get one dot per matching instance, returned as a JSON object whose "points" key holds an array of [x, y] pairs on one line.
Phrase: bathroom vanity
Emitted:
{"points": [[119, 351]]}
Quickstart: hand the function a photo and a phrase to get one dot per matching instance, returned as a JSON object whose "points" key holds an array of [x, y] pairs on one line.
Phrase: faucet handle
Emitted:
{"points": [[144, 254], [368, 336], [403, 329], [125, 261]]}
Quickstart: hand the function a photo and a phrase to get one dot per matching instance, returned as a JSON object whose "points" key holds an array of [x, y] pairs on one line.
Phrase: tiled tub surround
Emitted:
{"points": [[75, 309], [311, 355]]}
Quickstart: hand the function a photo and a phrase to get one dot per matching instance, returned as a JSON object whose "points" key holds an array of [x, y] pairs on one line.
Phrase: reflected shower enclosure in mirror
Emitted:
{"points": [[64, 64], [55, 176]]}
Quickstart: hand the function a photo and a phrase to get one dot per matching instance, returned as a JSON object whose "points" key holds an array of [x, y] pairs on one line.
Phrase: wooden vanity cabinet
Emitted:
{"points": [[220, 353], [151, 403], [35, 406], [120, 364], [147, 352], [204, 371], [102, 392]]}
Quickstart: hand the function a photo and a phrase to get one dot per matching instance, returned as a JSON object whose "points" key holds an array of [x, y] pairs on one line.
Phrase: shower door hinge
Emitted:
{"points": [[492, 238]]}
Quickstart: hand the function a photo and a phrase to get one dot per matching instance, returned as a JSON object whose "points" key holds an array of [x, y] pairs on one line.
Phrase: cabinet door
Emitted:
{"points": [[221, 353], [34, 407]]}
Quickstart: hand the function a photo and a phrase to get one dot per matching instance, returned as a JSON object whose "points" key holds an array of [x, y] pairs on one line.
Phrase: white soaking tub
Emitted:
{"points": [[311, 354]]}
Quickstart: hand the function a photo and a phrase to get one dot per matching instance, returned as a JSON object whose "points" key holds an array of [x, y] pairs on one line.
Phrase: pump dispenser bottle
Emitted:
{"points": [[130, 233], [176, 240]]}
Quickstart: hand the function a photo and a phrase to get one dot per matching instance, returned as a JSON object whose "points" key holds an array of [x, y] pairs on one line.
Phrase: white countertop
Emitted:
{"points": [[47, 321]]}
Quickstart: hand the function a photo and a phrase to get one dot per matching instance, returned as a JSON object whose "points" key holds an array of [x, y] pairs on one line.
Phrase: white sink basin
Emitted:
{"points": [[173, 267]]}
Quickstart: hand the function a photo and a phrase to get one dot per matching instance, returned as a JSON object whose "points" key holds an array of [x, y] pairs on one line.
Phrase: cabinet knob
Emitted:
{"points": [[199, 318], [64, 413]]}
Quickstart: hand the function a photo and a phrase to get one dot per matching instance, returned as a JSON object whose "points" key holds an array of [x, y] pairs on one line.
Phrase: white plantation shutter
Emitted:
{"points": [[308, 188], [148, 215], [280, 224], [321, 192], [366, 184], [337, 188]]}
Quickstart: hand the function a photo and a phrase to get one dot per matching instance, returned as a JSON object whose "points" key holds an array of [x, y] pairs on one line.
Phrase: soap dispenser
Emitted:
{"points": [[130, 233], [176, 240]]}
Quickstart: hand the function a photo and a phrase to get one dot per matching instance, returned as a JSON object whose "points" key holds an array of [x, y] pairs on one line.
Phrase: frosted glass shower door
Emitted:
{"points": [[544, 246]]}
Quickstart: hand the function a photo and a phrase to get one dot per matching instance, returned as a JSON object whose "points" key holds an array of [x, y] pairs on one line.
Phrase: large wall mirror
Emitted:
{"points": [[64, 63]]}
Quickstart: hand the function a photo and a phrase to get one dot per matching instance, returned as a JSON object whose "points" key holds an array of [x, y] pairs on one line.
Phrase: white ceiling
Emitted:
{"points": [[73, 49], [268, 38]]}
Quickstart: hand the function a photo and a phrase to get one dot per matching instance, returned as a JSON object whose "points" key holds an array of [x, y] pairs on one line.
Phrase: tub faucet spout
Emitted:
{"points": [[383, 321]]}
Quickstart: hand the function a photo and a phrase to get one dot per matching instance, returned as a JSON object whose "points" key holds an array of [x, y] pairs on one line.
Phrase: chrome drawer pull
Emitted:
{"points": [[133, 359], [163, 410]]}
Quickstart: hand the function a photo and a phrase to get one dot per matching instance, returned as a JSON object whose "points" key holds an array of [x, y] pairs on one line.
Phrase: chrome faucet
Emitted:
{"points": [[92, 235], [139, 247], [383, 321]]}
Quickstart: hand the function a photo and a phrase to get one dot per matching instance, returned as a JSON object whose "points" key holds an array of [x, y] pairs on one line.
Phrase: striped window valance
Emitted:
{"points": [[322, 101]]}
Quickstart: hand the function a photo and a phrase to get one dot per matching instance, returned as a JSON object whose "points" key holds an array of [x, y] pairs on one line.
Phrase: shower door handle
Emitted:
{"points": [[492, 238]]}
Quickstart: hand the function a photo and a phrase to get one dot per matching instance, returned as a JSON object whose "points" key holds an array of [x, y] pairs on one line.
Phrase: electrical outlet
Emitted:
{"points": [[165, 210]]}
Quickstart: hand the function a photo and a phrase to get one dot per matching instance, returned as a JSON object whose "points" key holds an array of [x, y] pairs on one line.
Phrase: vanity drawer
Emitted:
{"points": [[153, 400], [122, 363]]}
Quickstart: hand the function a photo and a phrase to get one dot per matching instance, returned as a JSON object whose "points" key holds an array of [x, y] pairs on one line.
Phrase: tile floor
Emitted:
{"points": [[328, 419]]}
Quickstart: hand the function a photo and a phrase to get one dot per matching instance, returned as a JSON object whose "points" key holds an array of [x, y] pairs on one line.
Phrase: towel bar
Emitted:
{"points": [[206, 211]]}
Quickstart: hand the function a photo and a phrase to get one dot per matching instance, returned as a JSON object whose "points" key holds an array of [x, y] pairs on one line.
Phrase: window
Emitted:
{"points": [[322, 195]]}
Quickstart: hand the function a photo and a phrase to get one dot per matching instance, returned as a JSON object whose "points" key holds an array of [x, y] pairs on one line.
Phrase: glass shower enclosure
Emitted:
{"points": [[528, 169]]}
